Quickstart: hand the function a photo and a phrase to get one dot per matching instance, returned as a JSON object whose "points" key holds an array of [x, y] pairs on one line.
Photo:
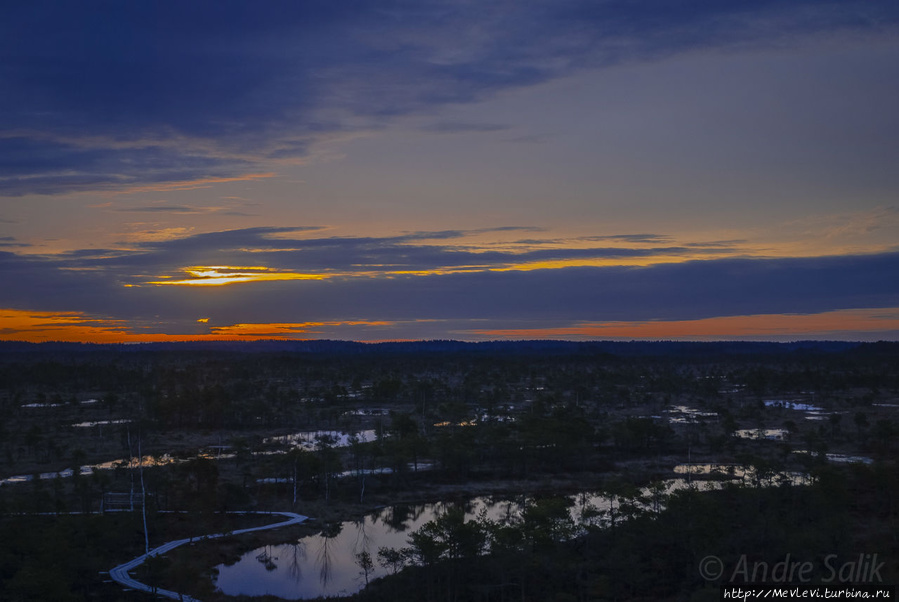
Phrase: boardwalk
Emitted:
{"points": [[120, 573]]}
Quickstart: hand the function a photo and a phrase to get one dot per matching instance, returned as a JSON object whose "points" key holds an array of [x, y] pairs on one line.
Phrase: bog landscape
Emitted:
{"points": [[445, 471], [449, 301]]}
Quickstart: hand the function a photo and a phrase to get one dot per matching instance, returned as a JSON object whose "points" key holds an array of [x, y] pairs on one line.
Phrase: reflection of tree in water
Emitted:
{"points": [[513, 507], [297, 555], [266, 558], [400, 516], [328, 534], [363, 539], [468, 506]]}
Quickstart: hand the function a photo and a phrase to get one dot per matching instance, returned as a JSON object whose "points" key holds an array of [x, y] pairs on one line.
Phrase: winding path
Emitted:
{"points": [[120, 573]]}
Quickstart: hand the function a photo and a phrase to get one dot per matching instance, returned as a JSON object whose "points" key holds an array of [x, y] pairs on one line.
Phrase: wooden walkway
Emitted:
{"points": [[120, 573]]}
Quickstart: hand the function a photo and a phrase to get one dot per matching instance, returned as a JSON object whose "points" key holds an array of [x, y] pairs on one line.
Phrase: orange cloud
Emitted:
{"points": [[755, 326], [72, 327], [75, 327], [18, 325], [282, 330], [35, 326]]}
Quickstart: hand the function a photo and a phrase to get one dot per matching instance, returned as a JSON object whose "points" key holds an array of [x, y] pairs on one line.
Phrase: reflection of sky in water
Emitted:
{"points": [[791, 405], [309, 439], [776, 434], [305, 440], [839, 458], [687, 415], [326, 565], [100, 423], [87, 469]]}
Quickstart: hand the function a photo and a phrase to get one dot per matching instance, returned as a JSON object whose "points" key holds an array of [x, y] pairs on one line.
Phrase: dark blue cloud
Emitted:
{"points": [[693, 290], [93, 281], [190, 84], [10, 241], [276, 248], [45, 167]]}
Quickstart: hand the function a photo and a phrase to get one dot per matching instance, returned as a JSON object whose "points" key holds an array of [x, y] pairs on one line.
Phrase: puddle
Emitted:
{"points": [[763, 434], [308, 440], [100, 423], [840, 458], [792, 405], [687, 415]]}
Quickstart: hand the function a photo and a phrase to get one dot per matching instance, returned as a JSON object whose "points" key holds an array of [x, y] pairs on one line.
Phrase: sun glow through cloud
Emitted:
{"points": [[222, 275]]}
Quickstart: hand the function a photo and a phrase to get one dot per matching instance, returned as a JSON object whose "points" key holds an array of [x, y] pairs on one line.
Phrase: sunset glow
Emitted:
{"points": [[222, 275], [828, 325], [686, 171]]}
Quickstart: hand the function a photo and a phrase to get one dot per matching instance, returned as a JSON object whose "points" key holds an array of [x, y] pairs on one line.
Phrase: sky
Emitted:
{"points": [[378, 170]]}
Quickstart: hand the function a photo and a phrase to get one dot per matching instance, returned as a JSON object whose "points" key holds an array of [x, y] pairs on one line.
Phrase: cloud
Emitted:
{"points": [[632, 238], [134, 95], [166, 209], [453, 127], [279, 249], [44, 166], [10, 241], [279, 276]]}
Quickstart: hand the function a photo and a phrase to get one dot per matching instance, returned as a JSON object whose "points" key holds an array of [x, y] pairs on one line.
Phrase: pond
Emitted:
{"points": [[309, 440], [762, 434], [687, 415], [839, 458], [792, 405], [325, 565]]}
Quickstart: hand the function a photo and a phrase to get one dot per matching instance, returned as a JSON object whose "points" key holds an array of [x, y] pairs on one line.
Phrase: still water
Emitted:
{"points": [[325, 564]]}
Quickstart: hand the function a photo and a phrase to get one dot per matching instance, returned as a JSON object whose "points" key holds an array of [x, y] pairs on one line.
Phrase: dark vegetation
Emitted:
{"points": [[449, 420], [846, 513]]}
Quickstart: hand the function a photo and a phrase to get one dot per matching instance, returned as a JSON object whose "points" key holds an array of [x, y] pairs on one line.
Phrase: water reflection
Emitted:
{"points": [[687, 415], [305, 440], [88, 469], [330, 568], [267, 559], [334, 552], [792, 405], [309, 440], [297, 558], [838, 458], [323, 557], [100, 423], [762, 434]]}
